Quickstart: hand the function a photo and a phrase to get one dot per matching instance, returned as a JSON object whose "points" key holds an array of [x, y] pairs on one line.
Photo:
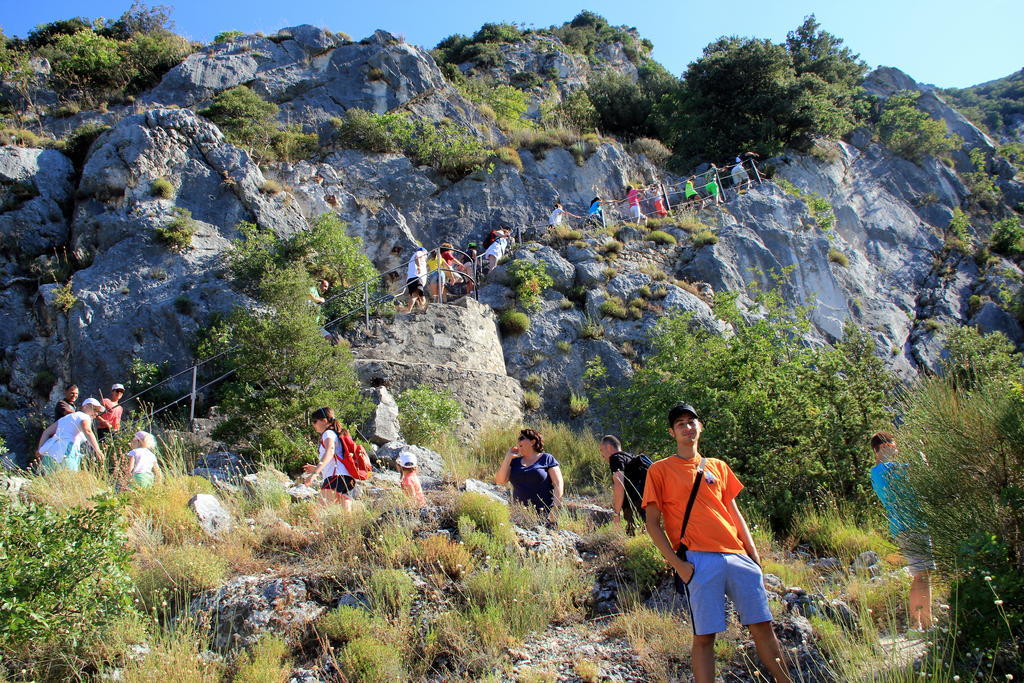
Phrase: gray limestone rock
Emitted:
{"points": [[561, 271], [382, 425], [499, 493], [213, 517], [246, 608], [35, 197]]}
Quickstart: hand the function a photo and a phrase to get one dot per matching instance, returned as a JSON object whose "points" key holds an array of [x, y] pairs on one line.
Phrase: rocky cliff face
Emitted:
{"points": [[135, 298]]}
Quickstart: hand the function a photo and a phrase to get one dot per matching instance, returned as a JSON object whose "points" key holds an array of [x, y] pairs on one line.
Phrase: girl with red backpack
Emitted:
{"points": [[335, 465]]}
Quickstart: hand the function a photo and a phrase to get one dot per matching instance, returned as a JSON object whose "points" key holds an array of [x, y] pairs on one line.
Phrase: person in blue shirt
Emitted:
{"points": [[888, 481], [535, 475]]}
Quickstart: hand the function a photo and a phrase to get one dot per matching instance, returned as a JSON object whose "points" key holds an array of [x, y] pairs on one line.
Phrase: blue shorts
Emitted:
{"points": [[716, 575]]}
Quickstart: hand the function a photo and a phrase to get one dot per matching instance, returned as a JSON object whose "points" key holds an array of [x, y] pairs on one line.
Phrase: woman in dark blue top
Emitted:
{"points": [[535, 475]]}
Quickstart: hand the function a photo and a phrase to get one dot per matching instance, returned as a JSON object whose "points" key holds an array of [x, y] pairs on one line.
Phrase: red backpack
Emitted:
{"points": [[354, 458]]}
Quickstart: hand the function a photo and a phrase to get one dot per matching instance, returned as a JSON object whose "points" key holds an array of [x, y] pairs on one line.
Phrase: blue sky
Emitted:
{"points": [[950, 44]]}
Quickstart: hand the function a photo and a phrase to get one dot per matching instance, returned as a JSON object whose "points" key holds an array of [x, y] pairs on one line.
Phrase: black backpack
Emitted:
{"points": [[634, 472]]}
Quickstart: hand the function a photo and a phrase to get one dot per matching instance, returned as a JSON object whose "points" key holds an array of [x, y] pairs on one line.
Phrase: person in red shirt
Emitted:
{"points": [[411, 486], [110, 419], [714, 556]]}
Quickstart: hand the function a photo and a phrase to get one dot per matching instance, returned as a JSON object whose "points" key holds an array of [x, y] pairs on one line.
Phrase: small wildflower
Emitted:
{"points": [[988, 578], [1009, 677], [999, 603], [945, 608], [956, 678]]}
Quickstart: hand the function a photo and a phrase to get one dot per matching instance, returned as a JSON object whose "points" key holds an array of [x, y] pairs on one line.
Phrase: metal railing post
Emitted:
{"points": [[366, 304], [664, 195], [192, 401], [757, 173]]}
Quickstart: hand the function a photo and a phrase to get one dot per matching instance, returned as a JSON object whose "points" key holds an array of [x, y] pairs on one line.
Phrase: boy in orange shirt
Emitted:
{"points": [[718, 556]]}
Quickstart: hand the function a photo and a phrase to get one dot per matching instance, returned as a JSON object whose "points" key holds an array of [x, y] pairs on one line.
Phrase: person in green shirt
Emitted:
{"points": [[688, 190]]}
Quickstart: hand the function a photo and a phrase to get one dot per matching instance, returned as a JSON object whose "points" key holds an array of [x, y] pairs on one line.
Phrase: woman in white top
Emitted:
{"points": [[142, 460], [416, 279], [338, 485], [61, 443]]}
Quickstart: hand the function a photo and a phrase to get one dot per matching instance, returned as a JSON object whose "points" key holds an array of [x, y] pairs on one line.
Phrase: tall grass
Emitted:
{"points": [[583, 469], [835, 527]]}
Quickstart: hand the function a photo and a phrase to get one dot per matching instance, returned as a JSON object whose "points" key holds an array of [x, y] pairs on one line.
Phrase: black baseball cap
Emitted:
{"points": [[679, 410]]}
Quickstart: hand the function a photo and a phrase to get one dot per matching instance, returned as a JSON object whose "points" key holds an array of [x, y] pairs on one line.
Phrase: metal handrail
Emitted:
{"points": [[365, 307]]}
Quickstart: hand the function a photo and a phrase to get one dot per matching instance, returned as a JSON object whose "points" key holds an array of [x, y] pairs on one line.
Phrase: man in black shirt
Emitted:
{"points": [[67, 405], [624, 500]]}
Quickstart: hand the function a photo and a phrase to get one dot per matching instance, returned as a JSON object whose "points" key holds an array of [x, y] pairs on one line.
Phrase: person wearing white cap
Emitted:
{"points": [[60, 444], [110, 419], [410, 479], [142, 460]]}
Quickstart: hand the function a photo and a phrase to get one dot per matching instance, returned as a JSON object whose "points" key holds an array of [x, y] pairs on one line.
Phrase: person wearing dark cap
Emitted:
{"points": [[693, 519]]}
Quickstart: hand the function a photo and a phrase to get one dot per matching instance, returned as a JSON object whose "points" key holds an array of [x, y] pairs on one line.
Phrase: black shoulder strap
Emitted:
{"points": [[693, 497]]}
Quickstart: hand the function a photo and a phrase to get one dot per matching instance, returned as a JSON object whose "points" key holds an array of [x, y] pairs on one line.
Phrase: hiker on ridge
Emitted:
{"points": [[708, 544], [629, 473]]}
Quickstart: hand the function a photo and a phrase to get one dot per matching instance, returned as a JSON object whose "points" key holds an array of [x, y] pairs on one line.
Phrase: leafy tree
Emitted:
{"points": [[325, 251], [575, 111], [508, 104], [45, 34], [623, 108], [283, 370], [87, 61], [427, 414], [911, 132], [749, 94], [791, 419], [818, 52]]}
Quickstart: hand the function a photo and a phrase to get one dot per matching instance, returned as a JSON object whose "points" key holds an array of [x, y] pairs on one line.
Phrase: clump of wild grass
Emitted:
{"points": [[662, 641]]}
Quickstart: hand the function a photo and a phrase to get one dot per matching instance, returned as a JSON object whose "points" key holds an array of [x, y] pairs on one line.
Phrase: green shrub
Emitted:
{"points": [[614, 307], [426, 414], [161, 188], [508, 103], [178, 232], [508, 155], [833, 528], [611, 247], [531, 400], [170, 576], [822, 211], [578, 404], [227, 36], [912, 132], [591, 329], [391, 592], [643, 562], [166, 505], [661, 237], [489, 515], [440, 553], [703, 238], [655, 150], [837, 257], [245, 118], [290, 144], [346, 623], [529, 280], [63, 575], [1008, 236], [64, 298], [446, 146], [265, 662], [563, 346], [79, 142], [372, 660], [514, 322]]}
